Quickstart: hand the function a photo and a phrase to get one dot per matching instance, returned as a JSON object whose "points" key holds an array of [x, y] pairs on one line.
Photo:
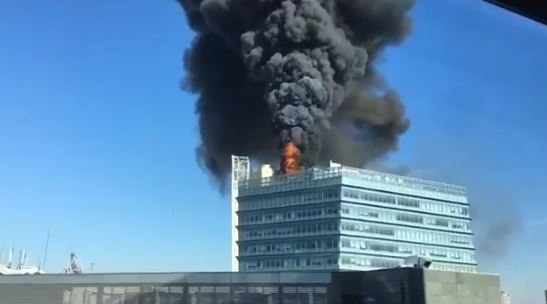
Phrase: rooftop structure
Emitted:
{"points": [[344, 218], [241, 167], [505, 298]]}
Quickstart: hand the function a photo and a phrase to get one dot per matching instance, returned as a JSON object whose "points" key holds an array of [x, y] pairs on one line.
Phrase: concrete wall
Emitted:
{"points": [[390, 286], [461, 288]]}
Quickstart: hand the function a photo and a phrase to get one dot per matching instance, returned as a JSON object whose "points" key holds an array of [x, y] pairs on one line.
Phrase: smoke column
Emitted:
{"points": [[270, 72]]}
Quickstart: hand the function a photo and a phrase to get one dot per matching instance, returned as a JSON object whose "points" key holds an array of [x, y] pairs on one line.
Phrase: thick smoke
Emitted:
{"points": [[270, 72]]}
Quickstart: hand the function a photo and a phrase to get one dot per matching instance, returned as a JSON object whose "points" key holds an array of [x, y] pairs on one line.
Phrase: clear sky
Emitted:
{"points": [[97, 139]]}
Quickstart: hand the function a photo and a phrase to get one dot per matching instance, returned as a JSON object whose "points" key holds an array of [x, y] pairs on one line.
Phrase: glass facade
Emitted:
{"points": [[342, 218]]}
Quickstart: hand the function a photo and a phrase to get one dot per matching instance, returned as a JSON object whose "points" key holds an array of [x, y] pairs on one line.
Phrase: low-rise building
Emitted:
{"points": [[389, 286]]}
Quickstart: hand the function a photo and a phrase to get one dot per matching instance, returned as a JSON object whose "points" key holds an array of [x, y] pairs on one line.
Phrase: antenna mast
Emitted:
{"points": [[43, 266], [10, 257]]}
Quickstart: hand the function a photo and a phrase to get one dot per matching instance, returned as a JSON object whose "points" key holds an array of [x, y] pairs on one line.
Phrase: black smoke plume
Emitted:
{"points": [[270, 72]]}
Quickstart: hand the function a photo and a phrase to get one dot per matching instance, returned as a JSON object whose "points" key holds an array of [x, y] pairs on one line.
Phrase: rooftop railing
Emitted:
{"points": [[403, 181], [316, 174]]}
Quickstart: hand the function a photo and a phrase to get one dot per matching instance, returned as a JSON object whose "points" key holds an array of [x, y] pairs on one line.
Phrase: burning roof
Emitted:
{"points": [[291, 163]]}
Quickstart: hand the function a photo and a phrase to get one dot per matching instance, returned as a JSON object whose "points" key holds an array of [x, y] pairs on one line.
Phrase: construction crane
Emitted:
{"points": [[74, 267]]}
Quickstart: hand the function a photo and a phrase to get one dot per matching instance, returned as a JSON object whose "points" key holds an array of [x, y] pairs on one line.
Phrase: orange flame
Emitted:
{"points": [[291, 160]]}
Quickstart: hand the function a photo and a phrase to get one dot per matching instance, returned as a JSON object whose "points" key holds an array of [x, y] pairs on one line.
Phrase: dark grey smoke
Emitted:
{"points": [[269, 71], [496, 222], [364, 128]]}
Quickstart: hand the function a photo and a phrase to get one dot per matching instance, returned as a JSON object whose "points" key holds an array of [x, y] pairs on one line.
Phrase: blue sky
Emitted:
{"points": [[97, 139]]}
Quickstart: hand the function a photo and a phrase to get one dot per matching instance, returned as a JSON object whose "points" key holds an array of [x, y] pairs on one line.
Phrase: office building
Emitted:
{"points": [[343, 218], [391, 286]]}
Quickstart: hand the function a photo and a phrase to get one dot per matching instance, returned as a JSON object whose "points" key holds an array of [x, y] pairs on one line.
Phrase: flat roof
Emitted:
{"points": [[174, 278], [246, 186], [295, 277], [323, 277]]}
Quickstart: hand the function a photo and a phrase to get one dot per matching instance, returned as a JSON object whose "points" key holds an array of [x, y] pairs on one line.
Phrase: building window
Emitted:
{"points": [[408, 202], [405, 202], [410, 218], [441, 222]]}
